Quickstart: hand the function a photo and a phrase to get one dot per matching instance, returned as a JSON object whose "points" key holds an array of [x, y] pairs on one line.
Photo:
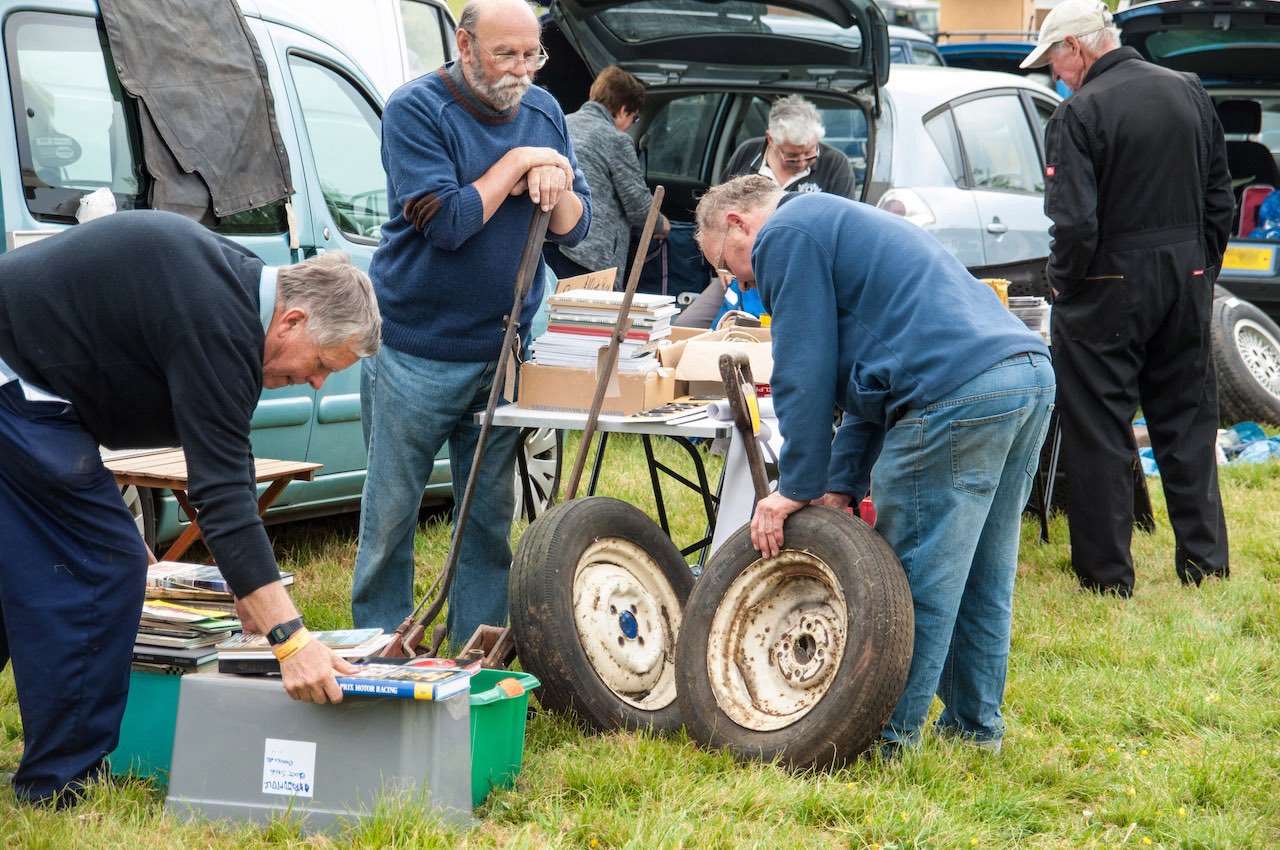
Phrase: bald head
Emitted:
{"points": [[478, 13]]}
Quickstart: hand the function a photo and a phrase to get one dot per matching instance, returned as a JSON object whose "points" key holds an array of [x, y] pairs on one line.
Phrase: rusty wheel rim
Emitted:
{"points": [[628, 620], [777, 639]]}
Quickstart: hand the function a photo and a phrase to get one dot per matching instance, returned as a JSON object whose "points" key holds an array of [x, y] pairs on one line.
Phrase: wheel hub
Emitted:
{"points": [[777, 639], [1261, 355], [627, 618]]}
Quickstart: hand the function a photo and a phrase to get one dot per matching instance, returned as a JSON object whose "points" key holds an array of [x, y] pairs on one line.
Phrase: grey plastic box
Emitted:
{"points": [[244, 750]]}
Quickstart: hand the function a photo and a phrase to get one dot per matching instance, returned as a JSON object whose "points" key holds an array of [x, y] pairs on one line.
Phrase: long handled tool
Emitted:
{"points": [[611, 356], [408, 635], [735, 371]]}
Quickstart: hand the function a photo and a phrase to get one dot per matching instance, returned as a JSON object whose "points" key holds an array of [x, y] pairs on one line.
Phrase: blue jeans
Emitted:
{"points": [[949, 488], [410, 407]]}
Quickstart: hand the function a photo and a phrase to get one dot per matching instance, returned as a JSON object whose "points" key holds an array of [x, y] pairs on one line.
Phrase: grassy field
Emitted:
{"points": [[1152, 722]]}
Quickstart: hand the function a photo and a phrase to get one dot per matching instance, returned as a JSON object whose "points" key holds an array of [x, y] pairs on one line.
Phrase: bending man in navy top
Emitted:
{"points": [[466, 149], [945, 396], [141, 330]]}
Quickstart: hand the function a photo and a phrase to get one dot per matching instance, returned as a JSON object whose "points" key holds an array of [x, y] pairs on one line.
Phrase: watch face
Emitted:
{"points": [[279, 634], [282, 632]]}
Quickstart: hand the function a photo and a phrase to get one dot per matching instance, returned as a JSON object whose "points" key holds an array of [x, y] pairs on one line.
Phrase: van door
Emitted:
{"points": [[340, 128]]}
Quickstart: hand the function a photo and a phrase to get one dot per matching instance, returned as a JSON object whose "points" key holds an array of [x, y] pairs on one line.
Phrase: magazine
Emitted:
{"points": [[407, 681], [250, 654]]}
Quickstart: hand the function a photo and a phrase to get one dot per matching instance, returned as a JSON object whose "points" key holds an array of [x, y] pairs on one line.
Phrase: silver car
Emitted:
{"points": [[961, 154]]}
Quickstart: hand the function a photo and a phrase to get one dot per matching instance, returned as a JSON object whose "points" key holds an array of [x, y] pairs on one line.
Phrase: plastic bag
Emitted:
{"points": [[96, 204]]}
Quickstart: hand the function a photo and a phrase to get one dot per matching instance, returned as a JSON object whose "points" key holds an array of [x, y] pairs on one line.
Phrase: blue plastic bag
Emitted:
{"points": [[1268, 219]]}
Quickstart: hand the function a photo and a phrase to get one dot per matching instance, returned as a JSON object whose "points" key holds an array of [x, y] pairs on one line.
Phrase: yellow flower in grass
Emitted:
{"points": [[1146, 840], [595, 843], [1111, 749], [1182, 813], [973, 842], [1130, 791], [905, 817]]}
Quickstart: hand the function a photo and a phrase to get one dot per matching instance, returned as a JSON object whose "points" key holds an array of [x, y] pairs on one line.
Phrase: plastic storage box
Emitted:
{"points": [[497, 730], [146, 733], [244, 750]]}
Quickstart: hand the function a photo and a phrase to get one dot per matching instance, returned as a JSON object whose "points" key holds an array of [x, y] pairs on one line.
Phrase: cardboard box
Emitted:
{"points": [[566, 390], [696, 360]]}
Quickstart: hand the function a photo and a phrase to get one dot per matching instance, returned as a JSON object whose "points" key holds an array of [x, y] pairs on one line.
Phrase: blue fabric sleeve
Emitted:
{"points": [[854, 451], [421, 160], [800, 295]]}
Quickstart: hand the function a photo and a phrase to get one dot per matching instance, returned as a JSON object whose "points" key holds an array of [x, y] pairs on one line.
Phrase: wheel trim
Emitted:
{"points": [[628, 621], [541, 462], [777, 638], [133, 502], [1260, 352]]}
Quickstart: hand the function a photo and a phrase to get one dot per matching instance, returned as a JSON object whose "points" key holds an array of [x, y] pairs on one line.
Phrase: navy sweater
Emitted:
{"points": [[873, 315], [148, 324], [443, 276]]}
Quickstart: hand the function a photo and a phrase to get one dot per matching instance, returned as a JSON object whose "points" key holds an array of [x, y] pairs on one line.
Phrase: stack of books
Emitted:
{"points": [[1033, 311], [178, 580], [176, 637], [251, 654], [582, 321]]}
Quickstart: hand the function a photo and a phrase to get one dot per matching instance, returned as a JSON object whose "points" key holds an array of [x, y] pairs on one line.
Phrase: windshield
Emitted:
{"points": [[1184, 45]]}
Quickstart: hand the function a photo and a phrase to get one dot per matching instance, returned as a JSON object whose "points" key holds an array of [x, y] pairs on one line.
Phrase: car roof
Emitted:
{"points": [[907, 34], [928, 86]]}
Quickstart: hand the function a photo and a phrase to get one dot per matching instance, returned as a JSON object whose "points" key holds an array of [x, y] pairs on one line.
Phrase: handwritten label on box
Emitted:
{"points": [[289, 768]]}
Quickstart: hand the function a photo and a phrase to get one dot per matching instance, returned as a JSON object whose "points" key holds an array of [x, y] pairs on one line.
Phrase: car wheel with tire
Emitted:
{"points": [[801, 657], [141, 504], [596, 594], [1246, 356], [537, 471]]}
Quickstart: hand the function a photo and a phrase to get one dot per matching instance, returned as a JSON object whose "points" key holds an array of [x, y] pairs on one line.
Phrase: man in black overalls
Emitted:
{"points": [[1140, 197]]}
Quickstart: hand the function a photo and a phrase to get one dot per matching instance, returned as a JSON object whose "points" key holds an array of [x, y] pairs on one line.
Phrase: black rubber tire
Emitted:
{"points": [[548, 639], [1246, 355], [863, 689], [140, 502]]}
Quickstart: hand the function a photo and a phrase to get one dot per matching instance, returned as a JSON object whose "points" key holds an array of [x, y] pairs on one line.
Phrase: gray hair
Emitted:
{"points": [[339, 300], [1097, 42], [749, 192], [795, 120], [472, 11]]}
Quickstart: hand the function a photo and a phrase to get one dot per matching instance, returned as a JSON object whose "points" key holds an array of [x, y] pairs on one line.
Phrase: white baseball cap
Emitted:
{"points": [[1070, 17]]}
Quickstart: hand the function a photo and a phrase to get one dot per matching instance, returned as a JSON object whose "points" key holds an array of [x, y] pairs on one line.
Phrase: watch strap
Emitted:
{"points": [[280, 633]]}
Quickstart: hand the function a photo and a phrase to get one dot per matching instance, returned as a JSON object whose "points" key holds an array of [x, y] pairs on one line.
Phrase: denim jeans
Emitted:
{"points": [[949, 488], [410, 407]]}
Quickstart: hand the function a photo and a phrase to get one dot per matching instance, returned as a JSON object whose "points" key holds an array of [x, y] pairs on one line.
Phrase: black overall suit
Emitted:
{"points": [[1140, 197]]}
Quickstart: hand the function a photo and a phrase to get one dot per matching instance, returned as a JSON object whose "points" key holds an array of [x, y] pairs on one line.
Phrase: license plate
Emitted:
{"points": [[1249, 259]]}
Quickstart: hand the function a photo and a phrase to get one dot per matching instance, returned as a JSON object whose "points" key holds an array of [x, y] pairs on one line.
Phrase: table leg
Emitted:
{"points": [[189, 536]]}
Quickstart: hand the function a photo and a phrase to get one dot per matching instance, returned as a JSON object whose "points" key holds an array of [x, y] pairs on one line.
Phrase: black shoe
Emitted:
{"points": [[1123, 591]]}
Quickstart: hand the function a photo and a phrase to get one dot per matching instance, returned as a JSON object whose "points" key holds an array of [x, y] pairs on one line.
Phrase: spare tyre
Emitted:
{"points": [[1246, 355], [801, 657], [596, 592]]}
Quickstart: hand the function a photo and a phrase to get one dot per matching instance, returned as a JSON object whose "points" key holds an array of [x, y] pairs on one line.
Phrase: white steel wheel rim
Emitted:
{"points": [[1260, 352], [776, 641], [133, 503], [628, 622], [539, 449]]}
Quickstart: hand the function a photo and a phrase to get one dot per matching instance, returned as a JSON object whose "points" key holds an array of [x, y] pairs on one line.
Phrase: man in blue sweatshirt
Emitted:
{"points": [[466, 149], [946, 398]]}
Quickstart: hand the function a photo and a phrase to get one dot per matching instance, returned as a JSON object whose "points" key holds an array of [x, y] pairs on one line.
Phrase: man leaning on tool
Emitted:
{"points": [[1137, 187], [466, 149], [143, 330], [946, 399]]}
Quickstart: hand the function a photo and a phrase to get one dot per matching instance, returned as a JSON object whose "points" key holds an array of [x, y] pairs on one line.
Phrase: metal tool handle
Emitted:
{"points": [[409, 634], [620, 329], [740, 389]]}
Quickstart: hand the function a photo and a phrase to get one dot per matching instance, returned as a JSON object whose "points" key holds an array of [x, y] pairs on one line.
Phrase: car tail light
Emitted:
{"points": [[909, 205]]}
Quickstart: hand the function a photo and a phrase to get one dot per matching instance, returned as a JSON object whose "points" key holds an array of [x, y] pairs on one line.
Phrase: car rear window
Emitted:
{"points": [[652, 20]]}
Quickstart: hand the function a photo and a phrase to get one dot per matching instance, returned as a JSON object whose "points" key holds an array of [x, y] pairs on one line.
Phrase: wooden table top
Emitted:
{"points": [[168, 469]]}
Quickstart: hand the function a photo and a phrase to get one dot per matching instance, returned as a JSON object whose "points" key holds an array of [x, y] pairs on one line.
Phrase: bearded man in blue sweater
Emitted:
{"points": [[466, 149], [946, 398]]}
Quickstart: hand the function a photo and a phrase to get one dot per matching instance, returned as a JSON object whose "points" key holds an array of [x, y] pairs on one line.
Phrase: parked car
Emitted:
{"points": [[62, 85], [1234, 47], [917, 14], [995, 51], [912, 47], [961, 154]]}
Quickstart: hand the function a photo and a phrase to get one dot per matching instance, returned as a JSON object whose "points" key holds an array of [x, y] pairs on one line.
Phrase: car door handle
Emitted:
{"points": [[996, 227]]}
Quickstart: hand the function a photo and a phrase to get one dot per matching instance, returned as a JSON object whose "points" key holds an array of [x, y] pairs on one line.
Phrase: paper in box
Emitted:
{"points": [[696, 361], [567, 390]]}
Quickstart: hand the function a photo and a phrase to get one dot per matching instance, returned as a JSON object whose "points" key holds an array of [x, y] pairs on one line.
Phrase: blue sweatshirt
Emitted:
{"points": [[873, 315], [444, 278]]}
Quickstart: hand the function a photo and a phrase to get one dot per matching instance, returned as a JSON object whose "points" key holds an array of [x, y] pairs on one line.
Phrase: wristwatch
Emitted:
{"points": [[281, 633]]}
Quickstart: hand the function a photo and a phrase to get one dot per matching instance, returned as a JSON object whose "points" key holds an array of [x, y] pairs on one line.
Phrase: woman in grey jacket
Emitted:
{"points": [[619, 197]]}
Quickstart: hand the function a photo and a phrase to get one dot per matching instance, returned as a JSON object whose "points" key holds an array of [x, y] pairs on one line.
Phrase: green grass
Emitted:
{"points": [[1152, 722]]}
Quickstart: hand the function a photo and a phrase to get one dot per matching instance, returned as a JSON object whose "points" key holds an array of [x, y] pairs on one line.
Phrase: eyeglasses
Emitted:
{"points": [[508, 61], [802, 159], [718, 265]]}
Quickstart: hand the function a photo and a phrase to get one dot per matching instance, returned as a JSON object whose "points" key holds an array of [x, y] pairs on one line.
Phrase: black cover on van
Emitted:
{"points": [[209, 131]]}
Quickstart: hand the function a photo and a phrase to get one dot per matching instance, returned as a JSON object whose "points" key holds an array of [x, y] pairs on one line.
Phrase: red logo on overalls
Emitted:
{"points": [[1048, 171]]}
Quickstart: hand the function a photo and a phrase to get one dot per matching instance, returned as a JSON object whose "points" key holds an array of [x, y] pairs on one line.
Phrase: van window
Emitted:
{"points": [[75, 126], [425, 29], [677, 136], [997, 140], [345, 132]]}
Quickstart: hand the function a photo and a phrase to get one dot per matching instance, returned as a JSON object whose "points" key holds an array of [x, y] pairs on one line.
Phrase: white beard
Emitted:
{"points": [[503, 93]]}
